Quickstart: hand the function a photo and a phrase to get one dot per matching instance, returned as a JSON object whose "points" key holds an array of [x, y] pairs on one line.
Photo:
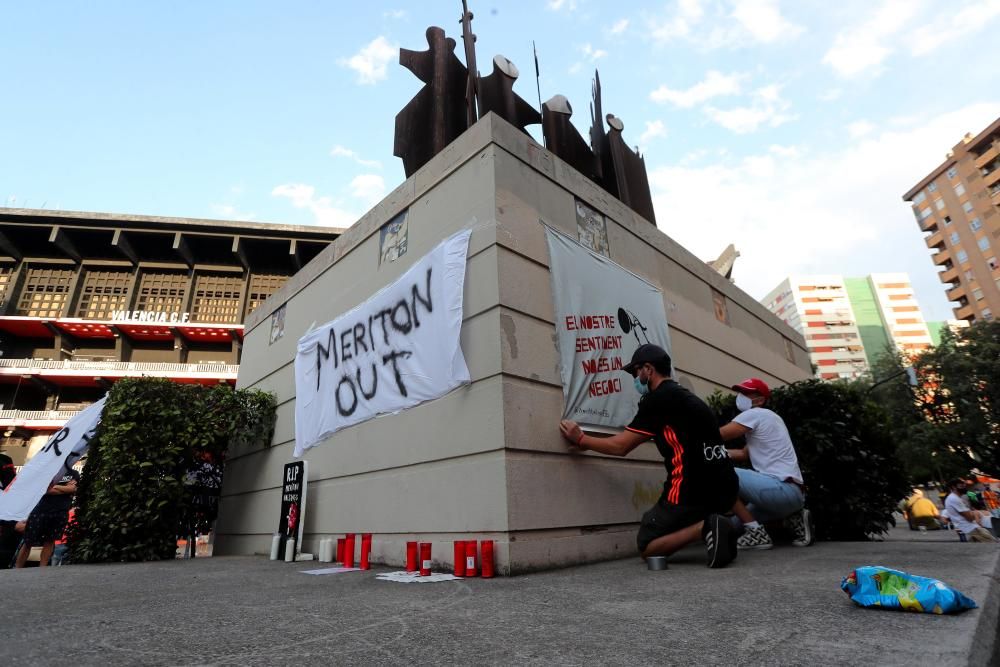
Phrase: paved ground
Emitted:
{"points": [[779, 607]]}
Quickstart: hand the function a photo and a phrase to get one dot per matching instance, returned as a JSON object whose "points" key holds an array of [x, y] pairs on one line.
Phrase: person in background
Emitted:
{"points": [[921, 512], [774, 488], [47, 521], [963, 517]]}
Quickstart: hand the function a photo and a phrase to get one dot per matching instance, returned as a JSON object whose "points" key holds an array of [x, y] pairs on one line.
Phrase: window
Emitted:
{"points": [[939, 203], [992, 261], [953, 172], [45, 292], [967, 207], [959, 190], [987, 314], [968, 275], [162, 292], [932, 187], [962, 257], [975, 225], [6, 273], [217, 298], [261, 287], [919, 199], [947, 221], [103, 293], [954, 238], [983, 243], [925, 213], [978, 294]]}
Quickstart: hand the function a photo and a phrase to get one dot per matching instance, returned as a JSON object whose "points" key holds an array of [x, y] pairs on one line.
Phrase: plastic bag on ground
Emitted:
{"points": [[875, 586]]}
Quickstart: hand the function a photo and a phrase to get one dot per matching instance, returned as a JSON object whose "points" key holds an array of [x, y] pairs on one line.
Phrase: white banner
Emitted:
{"points": [[64, 448], [603, 312], [397, 349]]}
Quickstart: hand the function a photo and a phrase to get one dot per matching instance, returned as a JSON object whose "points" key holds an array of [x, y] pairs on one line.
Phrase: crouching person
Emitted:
{"points": [[701, 484]]}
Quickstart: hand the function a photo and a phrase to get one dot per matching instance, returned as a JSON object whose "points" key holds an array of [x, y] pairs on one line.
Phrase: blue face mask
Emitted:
{"points": [[641, 386]]}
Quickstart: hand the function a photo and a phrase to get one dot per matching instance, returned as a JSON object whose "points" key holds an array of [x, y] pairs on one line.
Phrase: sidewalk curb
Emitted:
{"points": [[985, 648]]}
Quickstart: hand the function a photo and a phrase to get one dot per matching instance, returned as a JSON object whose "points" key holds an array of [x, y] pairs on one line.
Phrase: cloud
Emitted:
{"points": [[593, 54], [620, 26], [951, 25], [372, 61], [834, 211], [654, 129], [723, 24], [859, 128], [862, 48], [715, 84], [340, 151], [557, 5], [230, 212], [368, 187], [767, 108], [763, 21], [394, 14], [831, 95], [304, 196]]}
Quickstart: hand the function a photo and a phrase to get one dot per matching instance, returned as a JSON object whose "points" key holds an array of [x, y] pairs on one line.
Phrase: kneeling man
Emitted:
{"points": [[701, 484]]}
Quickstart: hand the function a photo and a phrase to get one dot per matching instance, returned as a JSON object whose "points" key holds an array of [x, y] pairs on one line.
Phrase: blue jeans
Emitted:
{"points": [[767, 497]]}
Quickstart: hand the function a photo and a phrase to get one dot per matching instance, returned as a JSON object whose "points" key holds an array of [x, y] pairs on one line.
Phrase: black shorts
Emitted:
{"points": [[45, 526], [664, 518]]}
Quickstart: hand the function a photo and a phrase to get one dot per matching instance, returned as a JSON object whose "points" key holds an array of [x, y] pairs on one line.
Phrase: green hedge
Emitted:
{"points": [[848, 457], [155, 436]]}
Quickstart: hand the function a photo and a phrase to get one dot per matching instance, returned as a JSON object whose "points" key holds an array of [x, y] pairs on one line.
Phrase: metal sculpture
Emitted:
{"points": [[437, 114], [631, 181], [565, 141], [496, 94]]}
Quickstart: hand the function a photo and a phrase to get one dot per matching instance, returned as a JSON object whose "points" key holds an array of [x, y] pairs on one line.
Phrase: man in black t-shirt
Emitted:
{"points": [[701, 483], [47, 521]]}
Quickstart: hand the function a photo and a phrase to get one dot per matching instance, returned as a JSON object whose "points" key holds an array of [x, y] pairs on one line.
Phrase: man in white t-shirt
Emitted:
{"points": [[773, 490], [963, 517]]}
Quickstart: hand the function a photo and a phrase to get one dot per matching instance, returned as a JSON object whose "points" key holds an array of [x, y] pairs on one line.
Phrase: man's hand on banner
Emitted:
{"points": [[572, 432]]}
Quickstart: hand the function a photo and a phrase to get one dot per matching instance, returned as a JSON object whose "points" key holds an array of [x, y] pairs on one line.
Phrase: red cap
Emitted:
{"points": [[755, 385]]}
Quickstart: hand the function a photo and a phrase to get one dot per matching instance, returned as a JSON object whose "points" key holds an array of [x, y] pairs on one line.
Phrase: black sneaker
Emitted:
{"points": [[800, 524], [720, 540]]}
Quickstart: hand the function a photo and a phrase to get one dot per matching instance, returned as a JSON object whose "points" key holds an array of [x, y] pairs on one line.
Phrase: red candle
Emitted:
{"points": [[411, 557], [366, 548], [470, 558], [425, 559], [459, 558], [340, 549], [349, 550], [486, 557]]}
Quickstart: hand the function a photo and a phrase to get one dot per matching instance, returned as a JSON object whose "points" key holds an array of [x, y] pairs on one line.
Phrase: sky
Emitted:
{"points": [[790, 129]]}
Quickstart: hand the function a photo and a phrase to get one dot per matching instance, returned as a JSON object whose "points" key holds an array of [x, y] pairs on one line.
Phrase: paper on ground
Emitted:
{"points": [[331, 570], [405, 577]]}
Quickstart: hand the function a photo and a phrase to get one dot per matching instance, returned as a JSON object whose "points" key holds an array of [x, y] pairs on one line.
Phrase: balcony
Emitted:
{"points": [[928, 224], [956, 293], [935, 240], [115, 370], [42, 420], [942, 257], [983, 160], [965, 312], [950, 275]]}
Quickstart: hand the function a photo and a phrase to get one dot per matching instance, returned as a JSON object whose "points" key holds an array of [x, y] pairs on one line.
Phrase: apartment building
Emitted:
{"points": [[849, 322], [89, 298], [820, 309], [956, 205]]}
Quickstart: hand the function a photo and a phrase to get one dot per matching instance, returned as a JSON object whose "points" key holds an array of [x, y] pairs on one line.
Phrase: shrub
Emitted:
{"points": [[854, 480], [158, 441]]}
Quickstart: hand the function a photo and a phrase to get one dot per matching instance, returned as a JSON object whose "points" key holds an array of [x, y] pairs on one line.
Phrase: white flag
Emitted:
{"points": [[64, 448]]}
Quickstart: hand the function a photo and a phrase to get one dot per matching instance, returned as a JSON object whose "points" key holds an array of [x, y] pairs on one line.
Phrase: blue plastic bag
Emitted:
{"points": [[875, 586]]}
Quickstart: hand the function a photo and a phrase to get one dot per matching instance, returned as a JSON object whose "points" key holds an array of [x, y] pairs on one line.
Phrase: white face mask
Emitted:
{"points": [[743, 403]]}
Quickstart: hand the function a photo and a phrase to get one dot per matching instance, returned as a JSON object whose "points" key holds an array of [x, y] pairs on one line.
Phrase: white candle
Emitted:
{"points": [[275, 546]]}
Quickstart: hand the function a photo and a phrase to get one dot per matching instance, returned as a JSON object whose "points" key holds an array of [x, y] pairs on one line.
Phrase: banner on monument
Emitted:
{"points": [[293, 503], [603, 312], [399, 348], [63, 449]]}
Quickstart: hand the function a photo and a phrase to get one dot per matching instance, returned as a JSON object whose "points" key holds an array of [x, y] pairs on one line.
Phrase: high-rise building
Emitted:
{"points": [[849, 322], [89, 298], [957, 205]]}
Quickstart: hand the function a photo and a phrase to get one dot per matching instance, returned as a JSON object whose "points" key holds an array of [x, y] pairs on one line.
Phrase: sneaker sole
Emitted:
{"points": [[756, 547], [722, 553]]}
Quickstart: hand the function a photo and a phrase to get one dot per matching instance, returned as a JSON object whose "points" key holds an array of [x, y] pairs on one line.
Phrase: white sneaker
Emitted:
{"points": [[801, 524], [754, 538]]}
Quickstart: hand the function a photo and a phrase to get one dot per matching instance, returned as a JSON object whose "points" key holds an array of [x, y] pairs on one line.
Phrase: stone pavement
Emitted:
{"points": [[782, 606]]}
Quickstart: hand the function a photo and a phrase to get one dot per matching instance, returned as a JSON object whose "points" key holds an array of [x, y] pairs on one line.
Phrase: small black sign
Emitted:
{"points": [[293, 504]]}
